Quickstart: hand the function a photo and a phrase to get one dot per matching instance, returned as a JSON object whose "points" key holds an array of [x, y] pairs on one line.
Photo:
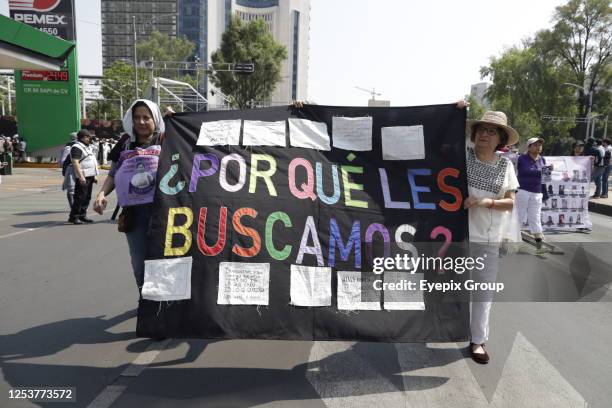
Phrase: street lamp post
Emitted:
{"points": [[590, 95], [135, 58]]}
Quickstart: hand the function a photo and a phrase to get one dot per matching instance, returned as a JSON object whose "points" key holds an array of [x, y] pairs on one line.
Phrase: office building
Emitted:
{"points": [[118, 28]]}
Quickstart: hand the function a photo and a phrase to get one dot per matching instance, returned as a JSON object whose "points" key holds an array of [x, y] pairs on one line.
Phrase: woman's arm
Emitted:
{"points": [[503, 204], [101, 201]]}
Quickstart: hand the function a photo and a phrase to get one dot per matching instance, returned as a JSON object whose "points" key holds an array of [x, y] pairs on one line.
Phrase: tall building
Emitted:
{"points": [[118, 29], [204, 22], [478, 91]]}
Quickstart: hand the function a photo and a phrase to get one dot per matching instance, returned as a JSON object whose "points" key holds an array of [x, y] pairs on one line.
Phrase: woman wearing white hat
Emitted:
{"points": [[529, 195], [492, 184]]}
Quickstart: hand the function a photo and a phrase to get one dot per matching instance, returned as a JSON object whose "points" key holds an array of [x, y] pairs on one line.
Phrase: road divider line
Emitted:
{"points": [[113, 391]]}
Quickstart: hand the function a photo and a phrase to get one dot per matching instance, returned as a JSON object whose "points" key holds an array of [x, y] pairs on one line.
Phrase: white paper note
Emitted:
{"points": [[352, 133], [310, 286], [258, 133], [167, 279], [356, 291], [403, 143], [220, 132], [308, 134], [403, 298], [243, 283]]}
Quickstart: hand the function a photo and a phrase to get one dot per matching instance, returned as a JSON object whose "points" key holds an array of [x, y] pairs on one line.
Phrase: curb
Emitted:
{"points": [[600, 208]]}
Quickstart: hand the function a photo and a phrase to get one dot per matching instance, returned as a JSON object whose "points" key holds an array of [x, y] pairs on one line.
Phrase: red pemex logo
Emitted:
{"points": [[34, 5]]}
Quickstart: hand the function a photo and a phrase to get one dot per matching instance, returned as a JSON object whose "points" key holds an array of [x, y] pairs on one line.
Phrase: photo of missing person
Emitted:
{"points": [[561, 220], [561, 190]]}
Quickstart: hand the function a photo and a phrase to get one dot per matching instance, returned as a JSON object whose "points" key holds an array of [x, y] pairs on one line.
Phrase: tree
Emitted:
{"points": [[118, 86], [475, 110], [581, 40], [160, 47], [248, 43]]}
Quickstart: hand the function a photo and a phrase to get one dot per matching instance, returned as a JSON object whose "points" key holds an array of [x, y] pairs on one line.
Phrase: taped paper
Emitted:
{"points": [[308, 134], [403, 143], [310, 286], [258, 133], [220, 132], [244, 283], [353, 134], [356, 291], [167, 279], [403, 298]]}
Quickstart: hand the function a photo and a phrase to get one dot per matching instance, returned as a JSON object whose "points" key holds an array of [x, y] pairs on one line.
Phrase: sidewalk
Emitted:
{"points": [[600, 205]]}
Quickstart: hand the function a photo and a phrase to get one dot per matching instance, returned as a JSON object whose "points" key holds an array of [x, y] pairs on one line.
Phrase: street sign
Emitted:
{"points": [[244, 68]]}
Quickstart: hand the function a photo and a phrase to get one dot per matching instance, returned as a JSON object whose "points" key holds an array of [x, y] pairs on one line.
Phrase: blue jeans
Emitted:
{"points": [[604, 181], [137, 241], [597, 178]]}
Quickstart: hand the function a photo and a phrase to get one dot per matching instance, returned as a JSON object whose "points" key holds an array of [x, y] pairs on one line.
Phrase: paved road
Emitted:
{"points": [[67, 318]]}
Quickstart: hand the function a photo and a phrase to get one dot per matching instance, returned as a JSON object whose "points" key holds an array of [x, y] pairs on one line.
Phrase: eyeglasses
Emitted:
{"points": [[491, 131]]}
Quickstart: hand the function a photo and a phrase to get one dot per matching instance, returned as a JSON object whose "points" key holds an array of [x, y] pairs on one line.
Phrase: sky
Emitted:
{"points": [[414, 52]]}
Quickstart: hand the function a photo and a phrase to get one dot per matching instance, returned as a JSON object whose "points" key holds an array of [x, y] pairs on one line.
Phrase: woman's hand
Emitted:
{"points": [[471, 202], [100, 203], [462, 104], [298, 104]]}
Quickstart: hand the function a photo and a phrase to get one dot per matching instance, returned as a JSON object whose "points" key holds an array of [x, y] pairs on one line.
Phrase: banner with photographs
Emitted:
{"points": [[565, 206]]}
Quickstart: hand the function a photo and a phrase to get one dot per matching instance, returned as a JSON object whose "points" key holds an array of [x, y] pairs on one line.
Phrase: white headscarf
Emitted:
{"points": [[157, 118]]}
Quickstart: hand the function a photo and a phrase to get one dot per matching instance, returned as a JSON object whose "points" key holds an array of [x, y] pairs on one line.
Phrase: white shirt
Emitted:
{"points": [[489, 180]]}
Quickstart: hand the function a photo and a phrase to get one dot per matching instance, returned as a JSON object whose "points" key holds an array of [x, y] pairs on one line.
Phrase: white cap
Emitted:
{"points": [[534, 140]]}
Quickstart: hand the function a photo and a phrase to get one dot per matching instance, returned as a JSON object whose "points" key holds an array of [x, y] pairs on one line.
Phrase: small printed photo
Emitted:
{"points": [[554, 202], [549, 221], [561, 222], [550, 190], [561, 189]]}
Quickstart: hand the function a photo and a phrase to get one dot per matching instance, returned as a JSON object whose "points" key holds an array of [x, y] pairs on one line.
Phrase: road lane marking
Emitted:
{"points": [[12, 234], [113, 391]]}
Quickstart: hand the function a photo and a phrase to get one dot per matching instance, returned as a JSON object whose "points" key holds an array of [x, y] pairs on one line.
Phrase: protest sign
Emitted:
{"points": [[278, 236]]}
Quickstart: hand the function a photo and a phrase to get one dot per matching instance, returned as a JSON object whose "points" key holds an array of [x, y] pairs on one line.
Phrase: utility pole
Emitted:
{"points": [[135, 59]]}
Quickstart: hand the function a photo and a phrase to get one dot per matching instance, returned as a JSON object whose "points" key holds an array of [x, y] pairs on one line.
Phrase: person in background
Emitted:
{"points": [[529, 196], [578, 148], [596, 151], [607, 145], [85, 169], [66, 164]]}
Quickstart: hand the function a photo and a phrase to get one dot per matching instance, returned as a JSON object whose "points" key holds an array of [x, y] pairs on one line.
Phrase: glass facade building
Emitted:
{"points": [[118, 29]]}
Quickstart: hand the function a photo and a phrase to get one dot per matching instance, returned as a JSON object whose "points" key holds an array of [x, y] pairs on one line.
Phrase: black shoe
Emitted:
{"points": [[479, 358], [75, 221], [595, 196], [86, 220], [603, 196]]}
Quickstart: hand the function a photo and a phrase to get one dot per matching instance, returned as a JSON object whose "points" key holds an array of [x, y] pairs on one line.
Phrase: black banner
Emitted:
{"points": [[54, 17], [276, 242]]}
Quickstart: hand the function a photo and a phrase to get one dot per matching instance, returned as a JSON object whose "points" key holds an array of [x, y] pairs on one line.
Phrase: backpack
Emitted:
{"points": [[606, 159]]}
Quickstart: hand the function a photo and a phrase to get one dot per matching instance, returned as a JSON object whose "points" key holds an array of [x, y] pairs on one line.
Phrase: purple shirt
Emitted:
{"points": [[529, 173]]}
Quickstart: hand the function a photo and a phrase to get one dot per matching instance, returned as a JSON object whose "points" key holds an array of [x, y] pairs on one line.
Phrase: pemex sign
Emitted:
{"points": [[54, 17], [47, 101]]}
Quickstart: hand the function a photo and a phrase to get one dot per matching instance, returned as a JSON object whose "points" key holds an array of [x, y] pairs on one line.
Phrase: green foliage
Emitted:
{"points": [[117, 83], [475, 110], [580, 40], [162, 47], [528, 80], [248, 43]]}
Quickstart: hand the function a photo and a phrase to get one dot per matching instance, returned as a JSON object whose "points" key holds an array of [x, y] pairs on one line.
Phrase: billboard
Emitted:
{"points": [[48, 106], [55, 17]]}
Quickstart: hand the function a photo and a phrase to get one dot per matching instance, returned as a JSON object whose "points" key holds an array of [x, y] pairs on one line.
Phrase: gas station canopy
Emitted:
{"points": [[25, 47]]}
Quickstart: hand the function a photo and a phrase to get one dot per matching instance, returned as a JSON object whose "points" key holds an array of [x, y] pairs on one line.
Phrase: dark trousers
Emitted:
{"points": [[82, 196]]}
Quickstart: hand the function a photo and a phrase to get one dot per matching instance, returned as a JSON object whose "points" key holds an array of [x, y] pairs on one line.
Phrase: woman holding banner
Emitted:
{"points": [[139, 155], [492, 183]]}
